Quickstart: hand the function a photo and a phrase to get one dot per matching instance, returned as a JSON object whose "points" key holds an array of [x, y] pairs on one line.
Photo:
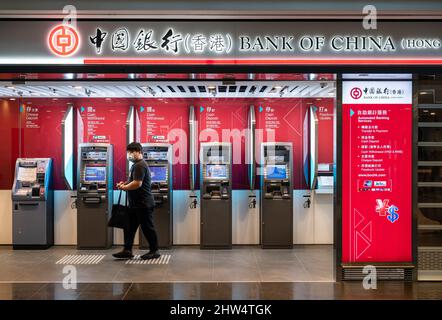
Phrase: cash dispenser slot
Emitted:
{"points": [[92, 200], [213, 191]]}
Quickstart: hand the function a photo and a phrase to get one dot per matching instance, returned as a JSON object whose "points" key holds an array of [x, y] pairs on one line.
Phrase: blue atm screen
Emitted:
{"points": [[158, 174], [216, 171], [276, 172], [95, 174]]}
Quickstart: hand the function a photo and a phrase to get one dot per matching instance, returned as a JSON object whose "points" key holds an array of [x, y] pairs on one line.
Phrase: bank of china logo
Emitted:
{"points": [[391, 212], [63, 40], [356, 93]]}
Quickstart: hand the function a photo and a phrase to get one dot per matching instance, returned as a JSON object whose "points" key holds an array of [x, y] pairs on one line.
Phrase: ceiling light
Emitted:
{"points": [[12, 99]]}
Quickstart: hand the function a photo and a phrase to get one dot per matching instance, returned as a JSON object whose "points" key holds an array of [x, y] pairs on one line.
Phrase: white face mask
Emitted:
{"points": [[131, 157]]}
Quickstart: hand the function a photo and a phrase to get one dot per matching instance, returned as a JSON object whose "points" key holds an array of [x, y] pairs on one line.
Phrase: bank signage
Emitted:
{"points": [[332, 40], [376, 171]]}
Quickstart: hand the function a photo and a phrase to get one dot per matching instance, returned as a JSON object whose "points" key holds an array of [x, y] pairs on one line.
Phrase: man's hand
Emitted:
{"points": [[120, 185], [133, 185]]}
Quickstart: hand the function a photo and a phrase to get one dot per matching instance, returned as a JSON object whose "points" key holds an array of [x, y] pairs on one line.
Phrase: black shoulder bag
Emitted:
{"points": [[120, 215]]}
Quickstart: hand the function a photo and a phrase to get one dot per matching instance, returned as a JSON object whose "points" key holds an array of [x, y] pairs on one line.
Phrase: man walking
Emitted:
{"points": [[141, 204]]}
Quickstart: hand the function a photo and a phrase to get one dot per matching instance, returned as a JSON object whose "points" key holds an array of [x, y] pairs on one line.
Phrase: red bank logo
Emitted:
{"points": [[356, 93], [63, 40]]}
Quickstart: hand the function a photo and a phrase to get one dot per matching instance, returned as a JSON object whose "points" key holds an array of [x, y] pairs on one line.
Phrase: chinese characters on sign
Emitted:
{"points": [[147, 40]]}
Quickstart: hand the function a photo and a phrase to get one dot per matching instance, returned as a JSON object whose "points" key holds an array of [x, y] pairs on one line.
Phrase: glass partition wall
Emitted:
{"points": [[430, 177]]}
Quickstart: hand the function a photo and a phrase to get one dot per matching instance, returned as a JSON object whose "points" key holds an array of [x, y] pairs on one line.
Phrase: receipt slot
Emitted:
{"points": [[94, 195], [159, 159], [216, 195], [276, 196], [33, 204]]}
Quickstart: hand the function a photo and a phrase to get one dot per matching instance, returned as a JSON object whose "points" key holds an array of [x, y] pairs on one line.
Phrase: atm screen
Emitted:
{"points": [[276, 171], [158, 174], [216, 171], [95, 174], [156, 155], [27, 174]]}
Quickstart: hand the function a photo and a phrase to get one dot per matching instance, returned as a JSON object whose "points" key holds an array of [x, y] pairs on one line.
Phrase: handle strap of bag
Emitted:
{"points": [[119, 198]]}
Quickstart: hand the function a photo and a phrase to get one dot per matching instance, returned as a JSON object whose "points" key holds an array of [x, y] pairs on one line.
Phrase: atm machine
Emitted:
{"points": [[216, 195], [33, 204], [94, 195], [276, 195], [159, 159]]}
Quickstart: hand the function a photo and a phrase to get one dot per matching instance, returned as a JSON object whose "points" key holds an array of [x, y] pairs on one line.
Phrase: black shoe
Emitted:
{"points": [[125, 254], [151, 255]]}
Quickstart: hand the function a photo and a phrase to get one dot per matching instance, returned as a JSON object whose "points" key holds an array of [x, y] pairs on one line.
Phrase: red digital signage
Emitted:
{"points": [[377, 171]]}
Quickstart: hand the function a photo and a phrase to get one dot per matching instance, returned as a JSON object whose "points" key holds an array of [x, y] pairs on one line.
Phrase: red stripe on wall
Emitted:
{"points": [[265, 61]]}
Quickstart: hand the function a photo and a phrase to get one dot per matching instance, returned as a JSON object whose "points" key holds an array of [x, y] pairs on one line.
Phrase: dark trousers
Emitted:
{"points": [[141, 217]]}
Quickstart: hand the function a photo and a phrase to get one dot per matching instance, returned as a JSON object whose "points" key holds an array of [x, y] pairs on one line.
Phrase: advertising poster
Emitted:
{"points": [[105, 122], [41, 123], [377, 171], [168, 122], [224, 120], [282, 120]]}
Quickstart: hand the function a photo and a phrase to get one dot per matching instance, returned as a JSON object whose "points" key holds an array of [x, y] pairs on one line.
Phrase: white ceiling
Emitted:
{"points": [[169, 89]]}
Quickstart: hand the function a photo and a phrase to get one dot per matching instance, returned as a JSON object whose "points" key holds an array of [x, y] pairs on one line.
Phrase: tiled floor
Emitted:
{"points": [[222, 291], [306, 272], [187, 264]]}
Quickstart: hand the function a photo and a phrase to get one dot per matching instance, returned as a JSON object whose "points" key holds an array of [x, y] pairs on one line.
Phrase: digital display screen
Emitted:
{"points": [[276, 171], [377, 180], [158, 174], [216, 171], [155, 155], [27, 174], [96, 155], [95, 174]]}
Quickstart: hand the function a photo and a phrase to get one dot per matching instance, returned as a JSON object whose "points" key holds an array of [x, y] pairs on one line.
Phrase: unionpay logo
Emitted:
{"points": [[63, 40], [356, 93]]}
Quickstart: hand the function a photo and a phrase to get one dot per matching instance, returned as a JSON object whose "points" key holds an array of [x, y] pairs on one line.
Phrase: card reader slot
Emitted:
{"points": [[92, 200], [28, 204]]}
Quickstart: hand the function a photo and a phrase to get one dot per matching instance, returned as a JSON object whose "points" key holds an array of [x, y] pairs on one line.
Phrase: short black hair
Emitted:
{"points": [[134, 147]]}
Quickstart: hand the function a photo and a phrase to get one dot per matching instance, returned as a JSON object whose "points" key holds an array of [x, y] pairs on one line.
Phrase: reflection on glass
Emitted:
{"points": [[430, 135], [429, 174], [429, 216], [430, 153], [430, 194], [430, 115], [429, 238]]}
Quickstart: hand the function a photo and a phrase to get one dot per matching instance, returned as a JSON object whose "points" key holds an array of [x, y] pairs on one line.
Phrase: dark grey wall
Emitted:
{"points": [[229, 5]]}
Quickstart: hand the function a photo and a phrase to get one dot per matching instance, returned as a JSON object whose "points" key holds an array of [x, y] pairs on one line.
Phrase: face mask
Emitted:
{"points": [[130, 157]]}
